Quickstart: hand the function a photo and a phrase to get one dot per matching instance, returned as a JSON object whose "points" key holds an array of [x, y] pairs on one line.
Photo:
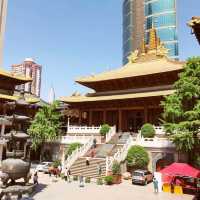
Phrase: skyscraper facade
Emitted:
{"points": [[3, 13], [133, 26], [29, 68], [143, 14]]}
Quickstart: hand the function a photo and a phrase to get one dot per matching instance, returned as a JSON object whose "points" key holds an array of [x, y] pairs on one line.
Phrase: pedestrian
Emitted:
{"points": [[59, 169], [99, 169], [155, 185], [35, 178], [94, 143], [198, 189], [68, 176], [87, 161], [92, 153], [81, 181]]}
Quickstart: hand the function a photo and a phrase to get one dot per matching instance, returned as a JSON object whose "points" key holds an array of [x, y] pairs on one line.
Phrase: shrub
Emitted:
{"points": [[75, 178], [104, 129], [87, 180], [99, 181], [62, 175], [56, 163], [137, 157], [72, 147], [148, 131], [116, 168], [108, 180]]}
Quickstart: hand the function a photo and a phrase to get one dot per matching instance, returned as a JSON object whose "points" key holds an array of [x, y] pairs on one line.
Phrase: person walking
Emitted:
{"points": [[35, 178], [68, 176], [94, 143], [81, 181], [87, 161], [99, 169], [155, 185]]}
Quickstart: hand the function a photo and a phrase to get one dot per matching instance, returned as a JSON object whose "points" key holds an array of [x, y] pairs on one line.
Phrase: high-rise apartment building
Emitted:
{"points": [[3, 13], [29, 68], [138, 18]]}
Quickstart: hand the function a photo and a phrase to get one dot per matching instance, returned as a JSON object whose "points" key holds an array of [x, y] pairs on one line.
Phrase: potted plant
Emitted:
{"points": [[75, 178], [116, 173], [108, 180], [99, 181], [87, 180], [105, 128]]}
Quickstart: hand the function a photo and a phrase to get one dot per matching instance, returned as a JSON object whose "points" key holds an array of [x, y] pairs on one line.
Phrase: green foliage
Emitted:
{"points": [[72, 147], [75, 178], [137, 157], [108, 180], [62, 176], [104, 129], [196, 160], [45, 126], [181, 117], [87, 180], [99, 181], [148, 131], [116, 168], [56, 163]]}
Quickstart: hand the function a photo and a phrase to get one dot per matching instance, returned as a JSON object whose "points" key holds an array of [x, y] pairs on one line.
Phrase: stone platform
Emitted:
{"points": [[16, 190]]}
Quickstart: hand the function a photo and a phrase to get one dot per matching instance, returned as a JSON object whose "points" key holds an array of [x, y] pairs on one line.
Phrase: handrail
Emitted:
{"points": [[111, 133], [78, 153], [120, 155]]}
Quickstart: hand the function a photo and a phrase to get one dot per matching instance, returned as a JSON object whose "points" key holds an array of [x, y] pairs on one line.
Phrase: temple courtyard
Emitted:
{"points": [[48, 189]]}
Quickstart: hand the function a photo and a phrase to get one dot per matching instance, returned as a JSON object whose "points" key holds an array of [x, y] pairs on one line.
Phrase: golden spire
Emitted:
{"points": [[143, 46], [152, 39]]}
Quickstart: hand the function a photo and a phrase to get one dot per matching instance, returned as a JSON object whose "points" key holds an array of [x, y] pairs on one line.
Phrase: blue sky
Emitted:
{"points": [[73, 38]]}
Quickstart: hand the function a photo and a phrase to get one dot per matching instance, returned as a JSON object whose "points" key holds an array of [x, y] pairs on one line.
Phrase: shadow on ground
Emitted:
{"points": [[38, 188]]}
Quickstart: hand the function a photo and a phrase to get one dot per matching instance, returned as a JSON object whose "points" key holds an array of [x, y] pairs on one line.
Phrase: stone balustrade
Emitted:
{"points": [[111, 133], [83, 129]]}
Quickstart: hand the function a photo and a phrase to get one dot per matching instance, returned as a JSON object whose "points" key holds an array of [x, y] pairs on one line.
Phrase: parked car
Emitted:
{"points": [[43, 167], [142, 177]]}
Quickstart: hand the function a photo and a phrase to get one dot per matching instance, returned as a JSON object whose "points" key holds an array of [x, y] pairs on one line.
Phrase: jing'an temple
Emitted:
{"points": [[131, 95]]}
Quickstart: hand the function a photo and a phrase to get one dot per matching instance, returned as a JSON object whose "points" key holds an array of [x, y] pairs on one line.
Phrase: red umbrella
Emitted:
{"points": [[181, 169]]}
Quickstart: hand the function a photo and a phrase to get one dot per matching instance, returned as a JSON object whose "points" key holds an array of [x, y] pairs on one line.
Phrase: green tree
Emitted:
{"points": [[72, 147], [105, 128], [46, 125], [181, 117], [148, 131], [137, 157]]}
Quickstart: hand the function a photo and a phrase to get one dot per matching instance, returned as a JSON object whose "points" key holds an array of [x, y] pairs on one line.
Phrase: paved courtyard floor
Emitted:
{"points": [[61, 190]]}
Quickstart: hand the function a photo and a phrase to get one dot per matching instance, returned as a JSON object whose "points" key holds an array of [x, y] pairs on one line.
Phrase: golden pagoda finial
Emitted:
{"points": [[143, 47], [152, 39], [133, 56]]}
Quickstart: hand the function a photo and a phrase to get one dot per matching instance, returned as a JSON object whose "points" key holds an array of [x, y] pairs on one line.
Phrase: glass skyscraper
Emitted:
{"points": [[143, 14]]}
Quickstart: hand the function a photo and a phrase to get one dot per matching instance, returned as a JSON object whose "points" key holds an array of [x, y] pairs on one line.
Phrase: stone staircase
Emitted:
{"points": [[80, 167]]}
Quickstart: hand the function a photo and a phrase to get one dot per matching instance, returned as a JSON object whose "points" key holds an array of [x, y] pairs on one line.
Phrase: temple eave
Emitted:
{"points": [[82, 99]]}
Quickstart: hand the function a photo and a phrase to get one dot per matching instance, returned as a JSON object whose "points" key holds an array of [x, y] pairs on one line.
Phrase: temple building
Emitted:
{"points": [[131, 95]]}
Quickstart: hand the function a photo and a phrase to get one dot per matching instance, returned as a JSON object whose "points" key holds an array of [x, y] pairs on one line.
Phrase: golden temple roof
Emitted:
{"points": [[14, 77], [79, 99], [30, 100], [133, 69], [8, 97]]}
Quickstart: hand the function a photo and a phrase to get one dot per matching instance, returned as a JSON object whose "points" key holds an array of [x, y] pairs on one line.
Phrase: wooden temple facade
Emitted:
{"points": [[131, 95]]}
